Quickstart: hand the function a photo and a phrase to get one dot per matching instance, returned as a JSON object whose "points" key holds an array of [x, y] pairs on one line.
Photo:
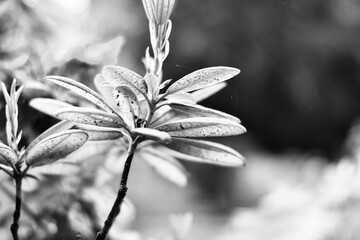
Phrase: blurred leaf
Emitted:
{"points": [[165, 165], [181, 98], [205, 152], [55, 147], [127, 102], [7, 155], [48, 106], [202, 127], [63, 125], [90, 116], [120, 76], [200, 111], [81, 90], [62, 167], [202, 78], [181, 225], [204, 93], [153, 134]]}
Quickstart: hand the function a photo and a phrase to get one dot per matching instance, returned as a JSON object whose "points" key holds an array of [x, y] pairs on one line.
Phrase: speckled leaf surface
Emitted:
{"points": [[91, 117], [81, 90], [205, 152], [120, 76], [153, 134], [55, 147], [61, 126], [200, 111], [127, 102], [202, 78], [7, 155], [202, 127]]}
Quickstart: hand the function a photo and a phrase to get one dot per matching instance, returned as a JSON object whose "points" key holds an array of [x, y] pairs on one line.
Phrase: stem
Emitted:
{"points": [[115, 210], [18, 198]]}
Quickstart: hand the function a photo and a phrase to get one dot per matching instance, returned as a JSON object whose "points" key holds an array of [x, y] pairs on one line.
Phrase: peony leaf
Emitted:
{"points": [[202, 78], [202, 127], [127, 102], [205, 152], [81, 90], [200, 111], [48, 106], [120, 76], [91, 117], [100, 133], [153, 134], [204, 93], [55, 147], [165, 165], [63, 125], [7, 155]]}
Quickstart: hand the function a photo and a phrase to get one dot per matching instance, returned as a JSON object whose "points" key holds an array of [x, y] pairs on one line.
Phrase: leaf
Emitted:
{"points": [[90, 116], [204, 93], [153, 134], [120, 76], [99, 133], [202, 78], [181, 98], [127, 102], [200, 111], [63, 125], [202, 127], [81, 90], [55, 147], [165, 165], [48, 106], [205, 152], [152, 82], [104, 88], [7, 155], [60, 167]]}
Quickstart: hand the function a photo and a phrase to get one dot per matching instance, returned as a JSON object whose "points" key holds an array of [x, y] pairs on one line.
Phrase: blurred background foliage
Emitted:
{"points": [[298, 93]]}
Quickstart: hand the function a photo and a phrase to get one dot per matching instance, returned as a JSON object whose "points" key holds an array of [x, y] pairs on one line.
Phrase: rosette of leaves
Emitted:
{"points": [[135, 109], [52, 145], [143, 108]]}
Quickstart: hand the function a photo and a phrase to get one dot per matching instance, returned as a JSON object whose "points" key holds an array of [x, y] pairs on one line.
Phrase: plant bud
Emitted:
{"points": [[158, 11]]}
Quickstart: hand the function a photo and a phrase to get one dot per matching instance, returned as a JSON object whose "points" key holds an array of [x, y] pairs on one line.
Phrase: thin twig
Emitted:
{"points": [[115, 210], [18, 198]]}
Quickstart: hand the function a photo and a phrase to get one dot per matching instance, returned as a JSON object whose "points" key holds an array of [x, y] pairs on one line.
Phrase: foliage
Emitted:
{"points": [[157, 120]]}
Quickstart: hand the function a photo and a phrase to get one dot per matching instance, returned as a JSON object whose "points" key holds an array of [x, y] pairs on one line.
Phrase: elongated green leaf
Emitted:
{"points": [[120, 76], [81, 90], [165, 165], [90, 116], [200, 111], [7, 155], [48, 106], [63, 125], [55, 147], [153, 134], [205, 152], [204, 93], [202, 78], [100, 133], [202, 127], [127, 102]]}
